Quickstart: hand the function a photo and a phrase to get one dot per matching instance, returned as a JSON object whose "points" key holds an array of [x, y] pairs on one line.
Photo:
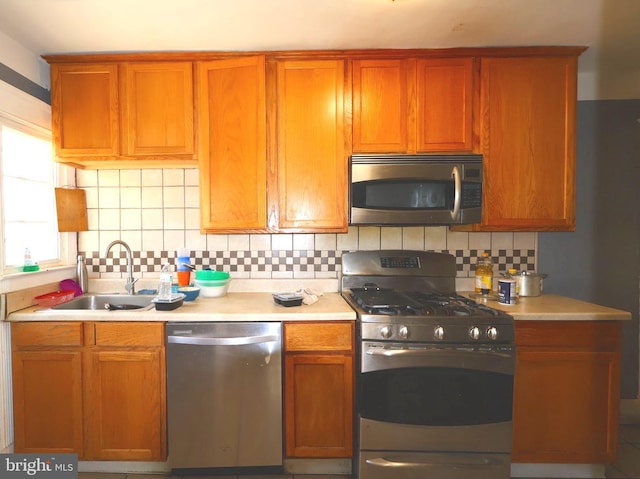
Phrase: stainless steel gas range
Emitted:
{"points": [[435, 370]]}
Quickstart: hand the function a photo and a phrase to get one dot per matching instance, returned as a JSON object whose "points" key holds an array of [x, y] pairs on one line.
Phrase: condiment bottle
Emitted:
{"points": [[484, 274], [513, 274]]}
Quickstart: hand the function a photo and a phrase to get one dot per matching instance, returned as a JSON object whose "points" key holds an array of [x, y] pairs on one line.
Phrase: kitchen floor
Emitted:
{"points": [[626, 467]]}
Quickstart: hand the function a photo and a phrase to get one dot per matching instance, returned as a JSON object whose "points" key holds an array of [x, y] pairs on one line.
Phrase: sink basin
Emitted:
{"points": [[113, 302]]}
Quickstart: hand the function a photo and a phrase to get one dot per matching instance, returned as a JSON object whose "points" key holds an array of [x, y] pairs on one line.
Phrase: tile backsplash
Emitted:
{"points": [[156, 211]]}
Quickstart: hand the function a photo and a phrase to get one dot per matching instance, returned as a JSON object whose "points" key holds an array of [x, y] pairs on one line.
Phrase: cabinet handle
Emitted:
{"points": [[233, 341]]}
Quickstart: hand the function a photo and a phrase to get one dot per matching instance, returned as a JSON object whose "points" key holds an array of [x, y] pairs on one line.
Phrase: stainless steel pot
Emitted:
{"points": [[530, 283]]}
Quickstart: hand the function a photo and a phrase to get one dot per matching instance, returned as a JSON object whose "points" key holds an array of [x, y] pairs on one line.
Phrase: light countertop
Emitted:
{"points": [[232, 307], [553, 307]]}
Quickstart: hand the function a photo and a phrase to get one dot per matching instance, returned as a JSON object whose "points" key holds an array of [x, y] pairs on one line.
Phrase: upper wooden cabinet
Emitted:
{"points": [[123, 114], [85, 109], [311, 154], [157, 108], [232, 149], [413, 105], [528, 142]]}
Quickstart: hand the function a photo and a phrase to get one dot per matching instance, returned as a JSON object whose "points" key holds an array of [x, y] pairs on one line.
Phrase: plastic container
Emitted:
{"points": [[173, 302], [190, 292], [55, 298], [484, 274], [213, 289], [164, 288], [288, 299], [210, 275]]}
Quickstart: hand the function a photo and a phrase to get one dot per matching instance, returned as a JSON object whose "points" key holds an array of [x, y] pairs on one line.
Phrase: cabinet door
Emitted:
{"points": [[565, 406], [528, 141], [311, 156], [444, 112], [380, 106], [125, 404], [84, 106], [319, 405], [157, 109], [232, 151], [47, 401]]}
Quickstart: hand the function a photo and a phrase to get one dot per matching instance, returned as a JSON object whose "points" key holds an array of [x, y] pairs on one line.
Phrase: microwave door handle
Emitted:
{"points": [[455, 173]]}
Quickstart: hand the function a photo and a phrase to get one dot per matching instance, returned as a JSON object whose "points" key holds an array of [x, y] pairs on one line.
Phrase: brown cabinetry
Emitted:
{"points": [[409, 105], [97, 389], [528, 109], [311, 154], [232, 151], [318, 384], [566, 391], [122, 114], [47, 387]]}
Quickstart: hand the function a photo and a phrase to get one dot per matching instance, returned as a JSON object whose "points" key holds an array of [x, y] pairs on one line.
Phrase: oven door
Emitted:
{"points": [[426, 397], [415, 190]]}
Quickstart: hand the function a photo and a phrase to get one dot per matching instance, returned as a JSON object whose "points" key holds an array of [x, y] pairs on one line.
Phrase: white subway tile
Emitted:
{"points": [[131, 219], [174, 219], [109, 197], [369, 238], [191, 177], [151, 197], [152, 240], [282, 275], [303, 242], [348, 241], [435, 238], [260, 242], [192, 218], [173, 240], [151, 177], [525, 240], [173, 177], [501, 241], [326, 242], [130, 178], [413, 237], [173, 196], [480, 241], [86, 178], [109, 219], [91, 195], [108, 178], [457, 240], [195, 241], [93, 219], [391, 238], [192, 197], [130, 197], [88, 241], [133, 239], [152, 219], [217, 243], [282, 242], [239, 242]]}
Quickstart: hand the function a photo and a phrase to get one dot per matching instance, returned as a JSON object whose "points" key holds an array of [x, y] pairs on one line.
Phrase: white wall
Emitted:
{"points": [[23, 61]]}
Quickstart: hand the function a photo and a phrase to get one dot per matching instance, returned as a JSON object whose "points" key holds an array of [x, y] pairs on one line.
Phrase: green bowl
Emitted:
{"points": [[210, 275]]}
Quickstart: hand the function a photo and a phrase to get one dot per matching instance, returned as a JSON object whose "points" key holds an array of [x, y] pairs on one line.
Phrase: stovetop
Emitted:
{"points": [[409, 296]]}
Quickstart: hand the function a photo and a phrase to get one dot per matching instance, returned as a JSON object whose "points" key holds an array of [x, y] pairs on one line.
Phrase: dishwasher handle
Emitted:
{"points": [[226, 341]]}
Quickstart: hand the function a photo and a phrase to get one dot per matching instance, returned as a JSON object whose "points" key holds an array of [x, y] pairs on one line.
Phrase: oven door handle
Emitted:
{"points": [[382, 462], [431, 352], [457, 196]]}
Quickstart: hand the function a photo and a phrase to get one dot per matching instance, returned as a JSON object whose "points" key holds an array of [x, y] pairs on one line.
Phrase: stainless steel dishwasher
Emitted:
{"points": [[224, 396]]}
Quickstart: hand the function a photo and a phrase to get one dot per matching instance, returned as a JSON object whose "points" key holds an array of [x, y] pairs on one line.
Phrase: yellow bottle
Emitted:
{"points": [[484, 274]]}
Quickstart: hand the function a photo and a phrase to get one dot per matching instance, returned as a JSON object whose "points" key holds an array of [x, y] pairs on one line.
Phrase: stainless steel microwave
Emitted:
{"points": [[415, 189]]}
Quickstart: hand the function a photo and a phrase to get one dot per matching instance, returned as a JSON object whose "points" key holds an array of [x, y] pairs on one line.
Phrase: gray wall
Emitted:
{"points": [[600, 261]]}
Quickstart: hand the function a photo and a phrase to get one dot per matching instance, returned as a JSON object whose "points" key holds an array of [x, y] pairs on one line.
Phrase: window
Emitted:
{"points": [[28, 178]]}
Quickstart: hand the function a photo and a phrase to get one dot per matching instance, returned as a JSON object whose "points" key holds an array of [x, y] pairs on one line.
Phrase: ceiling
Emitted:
{"points": [[608, 27]]}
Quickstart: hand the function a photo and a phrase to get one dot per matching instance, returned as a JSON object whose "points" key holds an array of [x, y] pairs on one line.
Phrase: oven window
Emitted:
{"points": [[435, 396], [403, 195]]}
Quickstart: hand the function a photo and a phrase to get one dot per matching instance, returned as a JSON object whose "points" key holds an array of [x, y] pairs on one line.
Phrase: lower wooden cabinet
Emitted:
{"points": [[566, 392], [97, 389], [319, 392]]}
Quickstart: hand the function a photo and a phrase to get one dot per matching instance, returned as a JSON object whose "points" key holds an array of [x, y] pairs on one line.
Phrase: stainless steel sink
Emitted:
{"points": [[114, 302]]}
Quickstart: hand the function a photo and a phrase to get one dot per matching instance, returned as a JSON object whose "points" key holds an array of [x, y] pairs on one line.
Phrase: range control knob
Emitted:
{"points": [[492, 333], [438, 333], [385, 332], [404, 332], [474, 333]]}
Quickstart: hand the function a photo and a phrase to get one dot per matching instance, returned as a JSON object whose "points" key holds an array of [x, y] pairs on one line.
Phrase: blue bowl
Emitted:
{"points": [[190, 292]]}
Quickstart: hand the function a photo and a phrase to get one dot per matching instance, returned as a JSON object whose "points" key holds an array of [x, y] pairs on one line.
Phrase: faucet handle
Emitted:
{"points": [[130, 286]]}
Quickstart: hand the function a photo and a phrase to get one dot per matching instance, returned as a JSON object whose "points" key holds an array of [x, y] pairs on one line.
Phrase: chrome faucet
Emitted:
{"points": [[130, 286]]}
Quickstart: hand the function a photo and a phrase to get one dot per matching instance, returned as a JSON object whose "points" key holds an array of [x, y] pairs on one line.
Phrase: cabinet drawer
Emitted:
{"points": [[590, 335], [320, 336], [129, 334], [50, 333]]}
